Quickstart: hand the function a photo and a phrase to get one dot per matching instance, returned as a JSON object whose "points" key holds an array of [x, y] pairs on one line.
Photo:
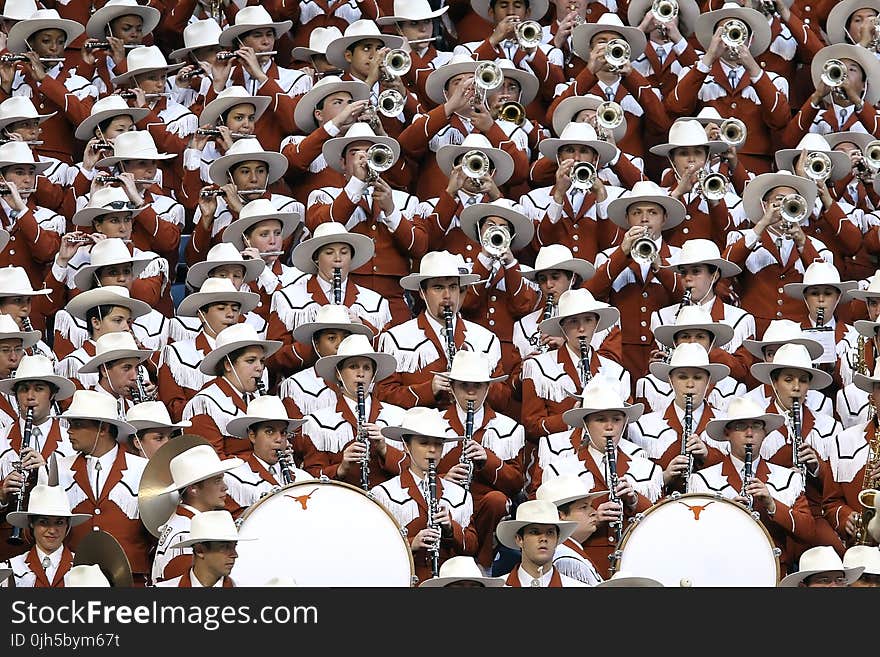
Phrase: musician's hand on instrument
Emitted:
{"points": [[748, 61], [552, 342], [38, 71], [626, 492], [220, 71], [796, 232], [31, 458], [440, 384], [14, 198], [630, 237], [247, 56], [233, 200], [457, 473], [443, 518], [696, 447], [130, 187], [759, 492], [564, 29], [425, 539], [481, 118], [151, 390], [11, 485], [505, 29], [382, 195], [354, 453], [609, 511], [476, 452], [563, 180], [852, 523], [657, 356], [349, 114], [875, 471], [677, 468], [117, 49], [686, 184], [807, 456]]}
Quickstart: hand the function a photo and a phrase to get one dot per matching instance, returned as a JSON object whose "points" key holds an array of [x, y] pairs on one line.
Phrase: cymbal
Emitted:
{"points": [[102, 549], [154, 505]]}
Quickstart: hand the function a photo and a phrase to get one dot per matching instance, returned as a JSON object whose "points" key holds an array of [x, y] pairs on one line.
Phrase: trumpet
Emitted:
{"points": [[396, 64], [214, 132], [872, 155], [512, 112], [664, 11], [609, 115], [380, 158], [793, 209], [713, 186], [475, 164], [496, 240], [734, 34], [583, 176], [225, 55], [390, 102], [488, 76], [528, 34], [644, 250], [733, 132], [834, 73], [817, 166], [617, 54]]}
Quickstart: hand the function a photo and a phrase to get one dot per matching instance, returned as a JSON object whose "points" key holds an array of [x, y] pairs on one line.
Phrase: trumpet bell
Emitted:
{"points": [[475, 164], [817, 166], [528, 34], [644, 250], [380, 158], [496, 240], [713, 186], [583, 176], [733, 132], [513, 112], [872, 155], [734, 33], [397, 62], [617, 53], [390, 102], [834, 73], [664, 11], [793, 208], [609, 115], [488, 76]]}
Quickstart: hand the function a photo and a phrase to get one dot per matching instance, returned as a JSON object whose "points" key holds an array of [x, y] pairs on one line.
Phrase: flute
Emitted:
{"points": [[102, 146], [9, 58], [225, 55], [104, 179], [29, 142], [214, 132], [4, 189], [127, 94], [242, 192], [105, 45]]}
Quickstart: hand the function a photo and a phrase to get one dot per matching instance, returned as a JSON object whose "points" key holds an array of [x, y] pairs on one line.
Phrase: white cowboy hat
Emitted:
{"points": [[135, 145], [46, 501], [38, 368], [599, 396], [104, 201], [819, 273], [866, 382], [113, 9], [780, 332], [17, 152], [14, 282], [265, 408], [254, 212], [754, 19], [106, 108], [537, 9], [791, 356], [248, 19], [863, 556], [41, 19], [229, 98], [223, 253], [319, 39], [141, 60], [332, 232], [114, 346], [579, 133], [688, 132], [304, 112], [704, 252], [86, 576], [211, 526], [871, 292], [461, 569], [439, 264], [152, 415], [9, 330], [743, 408], [705, 116], [353, 345], [330, 317], [838, 18], [860, 139], [472, 367], [358, 31], [622, 579], [198, 34], [866, 328], [757, 187], [559, 256], [529, 85], [646, 191], [411, 10], [523, 226], [216, 290], [577, 302], [564, 489], [334, 148], [533, 512], [18, 10], [98, 407], [688, 11], [422, 421], [607, 22], [499, 159], [866, 60], [107, 252], [820, 559], [197, 464], [232, 338], [690, 354], [573, 105], [841, 166], [107, 295], [20, 108], [245, 150], [435, 83]]}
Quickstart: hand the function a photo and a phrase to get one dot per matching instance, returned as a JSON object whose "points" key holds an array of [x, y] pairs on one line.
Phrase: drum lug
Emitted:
{"points": [[323, 478], [777, 551], [403, 532], [675, 495], [718, 495], [636, 519], [415, 580], [239, 521], [756, 516]]}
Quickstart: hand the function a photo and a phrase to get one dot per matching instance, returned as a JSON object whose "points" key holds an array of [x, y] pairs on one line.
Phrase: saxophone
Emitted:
{"points": [[687, 430], [586, 375], [861, 535], [15, 538], [861, 365], [747, 475], [468, 437], [450, 336], [433, 512], [337, 286], [362, 436]]}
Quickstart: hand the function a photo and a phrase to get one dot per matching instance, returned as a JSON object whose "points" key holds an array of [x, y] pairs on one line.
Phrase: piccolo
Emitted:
{"points": [[29, 142], [271, 253], [242, 192], [105, 45], [102, 145], [130, 94], [225, 55], [5, 190], [103, 179], [191, 74], [427, 40], [214, 132], [208, 193], [8, 58]]}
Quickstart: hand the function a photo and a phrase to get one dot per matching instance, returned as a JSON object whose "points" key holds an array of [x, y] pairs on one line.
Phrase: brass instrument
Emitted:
{"points": [[685, 300], [793, 210], [861, 362], [488, 76], [609, 116], [664, 12], [15, 538], [362, 436], [512, 112], [583, 176], [395, 65], [834, 73], [380, 158], [861, 536], [817, 166], [733, 132], [687, 430], [390, 102], [712, 186], [225, 55], [468, 438], [747, 476], [337, 286], [617, 54], [496, 240], [734, 33], [584, 346], [528, 34], [475, 164], [450, 336], [616, 526], [644, 250], [796, 437], [578, 19], [872, 155], [433, 512]]}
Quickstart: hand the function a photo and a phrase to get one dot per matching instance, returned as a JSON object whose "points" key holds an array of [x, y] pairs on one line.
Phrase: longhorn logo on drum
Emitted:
{"points": [[696, 510], [302, 499]]}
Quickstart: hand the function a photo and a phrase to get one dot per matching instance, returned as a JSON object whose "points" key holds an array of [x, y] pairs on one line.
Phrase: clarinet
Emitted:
{"points": [[685, 300], [362, 436], [284, 463], [433, 512], [15, 538], [450, 337], [586, 375], [796, 437], [548, 311], [687, 430], [820, 320], [468, 437], [337, 286], [616, 525], [747, 475], [261, 387], [35, 350]]}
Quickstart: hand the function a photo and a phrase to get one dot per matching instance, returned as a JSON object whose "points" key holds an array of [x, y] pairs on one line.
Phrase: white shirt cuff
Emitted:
{"points": [[331, 128], [554, 211], [701, 67], [355, 189], [192, 159], [392, 220]]}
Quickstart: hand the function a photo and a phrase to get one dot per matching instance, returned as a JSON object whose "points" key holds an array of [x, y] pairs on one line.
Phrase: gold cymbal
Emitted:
{"points": [[154, 505], [102, 549]]}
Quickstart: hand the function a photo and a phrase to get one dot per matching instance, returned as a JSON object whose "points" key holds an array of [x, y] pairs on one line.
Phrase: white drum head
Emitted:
{"points": [[321, 534], [700, 540]]}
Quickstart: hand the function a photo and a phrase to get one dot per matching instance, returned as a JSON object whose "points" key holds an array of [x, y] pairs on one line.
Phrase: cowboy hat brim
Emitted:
{"points": [[435, 83], [304, 113], [550, 148], [758, 186], [397, 433], [440, 582], [528, 83], [232, 32], [675, 209], [79, 305], [233, 233], [103, 16], [413, 282], [304, 333], [715, 428], [633, 582], [575, 417], [523, 227], [216, 538], [363, 246], [838, 17], [386, 365], [42, 118], [239, 426], [83, 278], [862, 56], [334, 149], [336, 49], [866, 327], [209, 362], [225, 466], [87, 215], [86, 129], [20, 518], [201, 271], [756, 347], [796, 290], [758, 25], [582, 34], [390, 20], [723, 333], [113, 160], [507, 530], [140, 425], [715, 147], [122, 78], [762, 371], [218, 106], [794, 580], [501, 160], [39, 167], [725, 267], [92, 365], [125, 430], [537, 9], [570, 107], [28, 338], [576, 266], [717, 371], [276, 162], [17, 40], [608, 315], [65, 386], [580, 496], [192, 303]]}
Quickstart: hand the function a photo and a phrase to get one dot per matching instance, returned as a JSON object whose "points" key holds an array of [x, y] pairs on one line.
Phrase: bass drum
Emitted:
{"points": [[700, 540], [321, 533]]}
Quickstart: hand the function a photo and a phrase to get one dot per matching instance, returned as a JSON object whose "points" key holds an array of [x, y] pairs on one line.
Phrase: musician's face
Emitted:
{"points": [[142, 170], [118, 319], [538, 543], [234, 273], [465, 390], [115, 224], [871, 303], [777, 194], [867, 580], [267, 438], [17, 307], [209, 494], [122, 376], [354, 370], [857, 22], [486, 222], [583, 513], [333, 256], [49, 532], [576, 326], [439, 293], [118, 125], [206, 54], [360, 56], [691, 380], [265, 236], [250, 175], [829, 579], [120, 275], [354, 152], [577, 152], [699, 278], [650, 215], [503, 8], [413, 30], [152, 82], [151, 440], [740, 433], [456, 81], [48, 43], [242, 118], [220, 315], [248, 368], [36, 394], [23, 175], [821, 296], [333, 105], [220, 559], [554, 281], [327, 341], [422, 448], [689, 156], [700, 336], [791, 383], [28, 130], [261, 39], [129, 28], [605, 423], [604, 37], [84, 434], [509, 90], [11, 352]]}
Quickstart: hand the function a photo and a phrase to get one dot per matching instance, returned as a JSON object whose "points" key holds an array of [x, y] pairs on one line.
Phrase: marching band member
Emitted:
{"points": [[461, 572], [851, 21], [13, 343], [154, 427], [201, 43], [24, 304], [117, 363], [852, 402], [821, 567], [865, 557], [20, 119]]}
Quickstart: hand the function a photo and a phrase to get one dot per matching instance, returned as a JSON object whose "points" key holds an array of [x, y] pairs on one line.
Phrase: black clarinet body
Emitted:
{"points": [[15, 537], [433, 512], [362, 436], [337, 286]]}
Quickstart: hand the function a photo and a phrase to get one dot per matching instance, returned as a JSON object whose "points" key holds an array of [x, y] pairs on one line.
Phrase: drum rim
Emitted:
{"points": [[629, 530], [343, 484]]}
